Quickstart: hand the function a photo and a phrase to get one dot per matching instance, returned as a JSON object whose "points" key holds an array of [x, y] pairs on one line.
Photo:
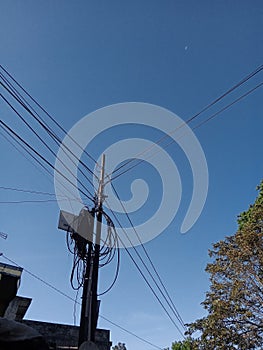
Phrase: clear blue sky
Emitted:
{"points": [[76, 57]]}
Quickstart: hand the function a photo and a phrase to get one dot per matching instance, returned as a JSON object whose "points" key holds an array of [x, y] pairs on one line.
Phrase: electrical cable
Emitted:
{"points": [[22, 146], [115, 246], [215, 114], [17, 96], [29, 191], [31, 201], [249, 76], [6, 127], [229, 105], [141, 272], [42, 165], [37, 160], [26, 191], [129, 332], [241, 82], [75, 308], [49, 116], [32, 156], [139, 161], [169, 301], [46, 145]]}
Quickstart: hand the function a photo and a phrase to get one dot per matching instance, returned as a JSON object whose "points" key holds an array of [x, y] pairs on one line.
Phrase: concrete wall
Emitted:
{"points": [[9, 283], [61, 336], [17, 308]]}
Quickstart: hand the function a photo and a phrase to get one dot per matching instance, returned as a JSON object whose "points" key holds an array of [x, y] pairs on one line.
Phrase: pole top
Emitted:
{"points": [[101, 181]]}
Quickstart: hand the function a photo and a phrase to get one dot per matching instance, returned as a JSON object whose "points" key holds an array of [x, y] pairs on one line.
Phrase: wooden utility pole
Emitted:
{"points": [[90, 302]]}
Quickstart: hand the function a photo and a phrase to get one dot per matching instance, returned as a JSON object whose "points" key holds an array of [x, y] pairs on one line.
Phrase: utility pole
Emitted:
{"points": [[90, 302]]}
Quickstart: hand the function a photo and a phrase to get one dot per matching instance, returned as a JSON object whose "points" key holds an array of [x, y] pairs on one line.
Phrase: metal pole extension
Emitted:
{"points": [[90, 304], [95, 302]]}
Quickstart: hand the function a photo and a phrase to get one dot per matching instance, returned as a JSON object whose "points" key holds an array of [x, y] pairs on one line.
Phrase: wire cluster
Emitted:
{"points": [[81, 248]]}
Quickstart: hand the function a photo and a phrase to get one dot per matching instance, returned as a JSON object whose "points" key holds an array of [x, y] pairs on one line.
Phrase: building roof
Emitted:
{"points": [[10, 270]]}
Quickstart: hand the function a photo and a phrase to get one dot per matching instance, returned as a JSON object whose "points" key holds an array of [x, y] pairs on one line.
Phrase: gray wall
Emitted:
{"points": [[66, 336]]}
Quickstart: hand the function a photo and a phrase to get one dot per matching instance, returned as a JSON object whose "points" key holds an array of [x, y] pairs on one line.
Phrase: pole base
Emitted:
{"points": [[88, 345]]}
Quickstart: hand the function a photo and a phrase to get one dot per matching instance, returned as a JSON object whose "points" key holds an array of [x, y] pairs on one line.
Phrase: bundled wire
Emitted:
{"points": [[79, 259], [80, 247], [13, 92], [108, 250]]}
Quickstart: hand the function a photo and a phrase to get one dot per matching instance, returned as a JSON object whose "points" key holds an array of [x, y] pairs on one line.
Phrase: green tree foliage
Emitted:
{"points": [[235, 300], [187, 344], [119, 346]]}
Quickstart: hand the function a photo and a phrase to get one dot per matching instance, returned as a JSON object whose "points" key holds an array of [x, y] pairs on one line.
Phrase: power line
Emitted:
{"points": [[236, 86], [139, 161], [169, 301], [17, 96], [20, 99], [73, 300], [140, 270], [41, 193], [215, 114], [129, 332], [5, 127], [24, 148], [26, 191], [49, 116], [229, 105], [32, 156], [249, 76], [31, 201], [45, 143]]}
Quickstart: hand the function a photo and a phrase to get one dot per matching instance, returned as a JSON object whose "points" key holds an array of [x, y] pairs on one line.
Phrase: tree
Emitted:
{"points": [[119, 346], [235, 300], [187, 344]]}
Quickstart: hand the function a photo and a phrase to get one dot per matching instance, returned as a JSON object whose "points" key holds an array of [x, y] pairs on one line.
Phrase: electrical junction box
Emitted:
{"points": [[82, 224]]}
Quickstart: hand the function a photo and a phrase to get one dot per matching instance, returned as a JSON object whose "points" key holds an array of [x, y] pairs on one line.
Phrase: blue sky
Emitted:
{"points": [[76, 57]]}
